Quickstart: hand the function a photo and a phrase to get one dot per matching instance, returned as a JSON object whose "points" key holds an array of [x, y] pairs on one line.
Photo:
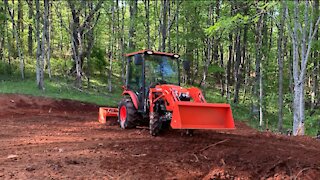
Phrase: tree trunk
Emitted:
{"points": [[228, 79], [164, 25], [8, 39], [280, 64], [20, 28], [46, 37], [220, 47], [30, 29], [16, 36], [222, 81], [119, 36], [230, 58], [208, 49], [177, 28], [61, 32], [297, 84], [111, 50], [147, 9], [258, 79], [261, 99], [189, 53], [2, 31], [39, 64], [13, 14], [78, 30], [133, 14], [169, 27], [122, 43], [299, 67], [314, 93], [76, 44], [237, 67]]}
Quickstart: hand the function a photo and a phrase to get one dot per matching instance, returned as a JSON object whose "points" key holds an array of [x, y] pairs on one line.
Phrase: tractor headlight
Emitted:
{"points": [[184, 96], [176, 56]]}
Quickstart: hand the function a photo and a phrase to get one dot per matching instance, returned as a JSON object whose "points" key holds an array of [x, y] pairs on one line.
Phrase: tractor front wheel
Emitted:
{"points": [[128, 114], [155, 123]]}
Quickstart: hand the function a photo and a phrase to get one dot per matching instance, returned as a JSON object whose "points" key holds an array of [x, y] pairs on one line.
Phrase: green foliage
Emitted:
{"points": [[215, 69], [2, 15], [99, 60], [5, 68], [227, 24], [312, 123]]}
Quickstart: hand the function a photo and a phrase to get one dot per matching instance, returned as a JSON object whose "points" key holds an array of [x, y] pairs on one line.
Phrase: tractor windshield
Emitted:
{"points": [[160, 68]]}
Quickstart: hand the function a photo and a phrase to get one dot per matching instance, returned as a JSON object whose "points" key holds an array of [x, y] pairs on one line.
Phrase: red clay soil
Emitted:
{"points": [[42, 138]]}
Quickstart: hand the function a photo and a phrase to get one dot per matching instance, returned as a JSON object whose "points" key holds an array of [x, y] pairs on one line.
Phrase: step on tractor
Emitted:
{"points": [[152, 96]]}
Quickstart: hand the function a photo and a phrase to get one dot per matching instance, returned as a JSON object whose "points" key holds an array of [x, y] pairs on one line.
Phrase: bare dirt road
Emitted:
{"points": [[59, 139]]}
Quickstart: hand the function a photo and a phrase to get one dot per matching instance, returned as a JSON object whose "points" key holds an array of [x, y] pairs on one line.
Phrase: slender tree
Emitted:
{"points": [[40, 58], [46, 37], [16, 36], [111, 53], [78, 30], [314, 93], [30, 28], [164, 24], [20, 27], [301, 47], [2, 30], [280, 69], [147, 9], [122, 36], [258, 78], [133, 6]]}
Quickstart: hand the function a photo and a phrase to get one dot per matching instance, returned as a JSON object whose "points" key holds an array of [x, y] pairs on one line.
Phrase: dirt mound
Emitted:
{"points": [[11, 103], [43, 138]]}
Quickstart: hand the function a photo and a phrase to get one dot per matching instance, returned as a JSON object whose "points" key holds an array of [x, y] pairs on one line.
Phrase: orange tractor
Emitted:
{"points": [[153, 97]]}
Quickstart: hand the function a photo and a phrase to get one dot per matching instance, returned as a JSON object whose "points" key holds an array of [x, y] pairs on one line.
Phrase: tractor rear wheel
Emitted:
{"points": [[155, 124], [128, 114]]}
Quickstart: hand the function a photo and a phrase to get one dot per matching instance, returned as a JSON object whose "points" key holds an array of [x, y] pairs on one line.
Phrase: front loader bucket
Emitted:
{"points": [[191, 115]]}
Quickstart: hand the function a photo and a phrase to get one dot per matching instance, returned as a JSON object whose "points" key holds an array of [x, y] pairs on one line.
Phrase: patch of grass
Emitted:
{"points": [[62, 89]]}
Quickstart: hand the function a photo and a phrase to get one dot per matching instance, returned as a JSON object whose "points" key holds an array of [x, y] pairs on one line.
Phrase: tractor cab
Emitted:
{"points": [[146, 69], [153, 96]]}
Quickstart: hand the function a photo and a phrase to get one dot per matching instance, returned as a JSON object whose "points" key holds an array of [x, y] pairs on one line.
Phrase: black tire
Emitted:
{"points": [[128, 114], [166, 125], [155, 124]]}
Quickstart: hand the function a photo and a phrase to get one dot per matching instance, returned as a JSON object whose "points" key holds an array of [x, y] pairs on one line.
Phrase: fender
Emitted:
{"points": [[133, 96]]}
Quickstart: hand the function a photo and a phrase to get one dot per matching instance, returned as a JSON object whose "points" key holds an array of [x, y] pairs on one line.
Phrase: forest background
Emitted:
{"points": [[262, 57]]}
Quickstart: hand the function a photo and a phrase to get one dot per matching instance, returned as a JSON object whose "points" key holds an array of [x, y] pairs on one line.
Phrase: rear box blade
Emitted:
{"points": [[191, 115], [107, 113]]}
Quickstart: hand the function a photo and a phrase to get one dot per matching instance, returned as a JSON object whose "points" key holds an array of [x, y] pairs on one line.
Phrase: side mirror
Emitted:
{"points": [[186, 65], [138, 59]]}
